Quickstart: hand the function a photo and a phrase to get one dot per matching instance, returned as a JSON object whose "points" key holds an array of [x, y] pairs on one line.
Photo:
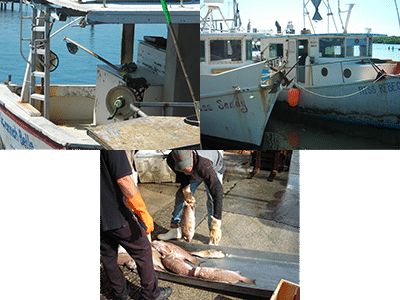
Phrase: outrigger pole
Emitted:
{"points": [[306, 13], [178, 53], [398, 16]]}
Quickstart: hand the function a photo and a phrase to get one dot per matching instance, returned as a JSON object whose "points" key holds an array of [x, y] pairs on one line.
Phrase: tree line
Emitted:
{"points": [[386, 39]]}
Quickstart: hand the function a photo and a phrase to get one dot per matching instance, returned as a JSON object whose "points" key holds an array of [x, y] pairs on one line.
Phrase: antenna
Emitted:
{"points": [[398, 17], [344, 27], [330, 14], [306, 13]]}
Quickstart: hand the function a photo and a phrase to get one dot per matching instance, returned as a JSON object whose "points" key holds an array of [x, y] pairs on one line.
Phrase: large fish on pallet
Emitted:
{"points": [[166, 248], [209, 253], [177, 265], [157, 261], [221, 275], [124, 259]]}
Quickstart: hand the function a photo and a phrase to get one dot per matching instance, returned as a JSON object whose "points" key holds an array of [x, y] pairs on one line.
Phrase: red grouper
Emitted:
{"points": [[188, 220], [177, 265], [166, 248], [221, 275], [157, 260]]}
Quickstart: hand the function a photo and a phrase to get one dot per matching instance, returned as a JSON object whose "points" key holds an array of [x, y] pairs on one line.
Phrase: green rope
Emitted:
{"points": [[166, 12]]}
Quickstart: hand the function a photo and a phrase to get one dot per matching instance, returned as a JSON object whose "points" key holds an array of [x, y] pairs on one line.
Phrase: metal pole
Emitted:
{"points": [[178, 53], [398, 16], [95, 55]]}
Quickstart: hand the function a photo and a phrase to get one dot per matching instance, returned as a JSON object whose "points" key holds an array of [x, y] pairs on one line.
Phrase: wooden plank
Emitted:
{"points": [[286, 291], [147, 133]]}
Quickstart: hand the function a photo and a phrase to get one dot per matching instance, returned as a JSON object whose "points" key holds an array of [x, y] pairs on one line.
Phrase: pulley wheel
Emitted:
{"points": [[54, 62], [118, 93]]}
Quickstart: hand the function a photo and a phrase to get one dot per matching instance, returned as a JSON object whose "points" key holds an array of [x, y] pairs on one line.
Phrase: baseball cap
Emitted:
{"points": [[182, 159]]}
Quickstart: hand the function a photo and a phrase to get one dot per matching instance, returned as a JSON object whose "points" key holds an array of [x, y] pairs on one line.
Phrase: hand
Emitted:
{"points": [[215, 231], [136, 204], [188, 196]]}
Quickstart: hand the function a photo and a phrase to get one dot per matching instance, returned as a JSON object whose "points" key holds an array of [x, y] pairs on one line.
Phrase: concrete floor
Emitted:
{"points": [[257, 215]]}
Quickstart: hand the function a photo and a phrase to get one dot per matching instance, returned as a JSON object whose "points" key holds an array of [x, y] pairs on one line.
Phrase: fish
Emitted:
{"points": [[166, 248], [188, 222], [177, 265], [209, 253], [131, 265], [157, 263], [221, 275], [124, 259]]}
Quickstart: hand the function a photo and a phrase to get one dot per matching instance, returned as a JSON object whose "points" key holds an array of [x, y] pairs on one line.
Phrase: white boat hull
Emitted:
{"points": [[16, 134], [234, 106], [21, 128], [371, 103]]}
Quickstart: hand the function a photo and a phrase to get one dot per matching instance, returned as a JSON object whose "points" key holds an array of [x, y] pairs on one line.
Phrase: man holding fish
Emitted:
{"points": [[118, 226], [192, 167]]}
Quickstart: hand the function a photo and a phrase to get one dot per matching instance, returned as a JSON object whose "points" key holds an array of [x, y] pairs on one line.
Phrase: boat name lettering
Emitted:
{"points": [[207, 107], [389, 87], [16, 134], [233, 104], [367, 90]]}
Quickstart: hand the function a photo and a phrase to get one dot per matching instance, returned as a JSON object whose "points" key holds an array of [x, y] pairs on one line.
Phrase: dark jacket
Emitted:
{"points": [[113, 166], [206, 165]]}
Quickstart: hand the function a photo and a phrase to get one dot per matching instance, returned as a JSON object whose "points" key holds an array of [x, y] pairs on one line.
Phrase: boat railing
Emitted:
{"points": [[342, 73]]}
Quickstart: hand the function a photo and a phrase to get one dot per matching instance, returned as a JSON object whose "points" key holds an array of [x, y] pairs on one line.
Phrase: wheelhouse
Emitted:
{"points": [[318, 48], [221, 52]]}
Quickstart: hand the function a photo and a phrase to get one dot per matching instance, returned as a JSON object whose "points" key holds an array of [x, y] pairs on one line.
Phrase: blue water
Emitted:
{"points": [[386, 51], [104, 40]]}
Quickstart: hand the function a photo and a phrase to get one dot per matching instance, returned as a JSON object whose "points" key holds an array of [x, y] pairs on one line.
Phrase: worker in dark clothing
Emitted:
{"points": [[192, 167], [118, 226]]}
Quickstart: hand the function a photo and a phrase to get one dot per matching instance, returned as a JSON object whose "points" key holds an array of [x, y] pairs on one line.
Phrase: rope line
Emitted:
{"points": [[340, 97]]}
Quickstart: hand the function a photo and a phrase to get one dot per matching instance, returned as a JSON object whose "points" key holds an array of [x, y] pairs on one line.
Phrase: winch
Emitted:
{"points": [[119, 98]]}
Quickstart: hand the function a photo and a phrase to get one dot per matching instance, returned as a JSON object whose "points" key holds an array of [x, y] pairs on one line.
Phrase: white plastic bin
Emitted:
{"points": [[152, 168]]}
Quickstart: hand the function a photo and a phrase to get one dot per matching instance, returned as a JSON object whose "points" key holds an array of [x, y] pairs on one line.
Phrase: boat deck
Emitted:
{"points": [[78, 130]]}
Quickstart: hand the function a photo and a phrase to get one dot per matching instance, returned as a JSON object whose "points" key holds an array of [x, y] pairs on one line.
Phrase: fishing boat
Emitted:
{"points": [[237, 93], [337, 76], [132, 106]]}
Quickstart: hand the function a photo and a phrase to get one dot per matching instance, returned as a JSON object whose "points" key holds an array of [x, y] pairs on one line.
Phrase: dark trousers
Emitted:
{"points": [[134, 240]]}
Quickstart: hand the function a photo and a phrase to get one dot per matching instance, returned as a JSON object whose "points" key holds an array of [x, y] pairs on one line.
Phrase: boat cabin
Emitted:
{"points": [[221, 52], [323, 58], [319, 48]]}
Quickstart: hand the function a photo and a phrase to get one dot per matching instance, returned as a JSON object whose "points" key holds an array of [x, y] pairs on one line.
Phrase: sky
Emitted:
{"points": [[379, 15]]}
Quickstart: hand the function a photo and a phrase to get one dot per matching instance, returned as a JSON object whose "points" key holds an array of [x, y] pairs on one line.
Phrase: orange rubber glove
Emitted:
{"points": [[137, 205]]}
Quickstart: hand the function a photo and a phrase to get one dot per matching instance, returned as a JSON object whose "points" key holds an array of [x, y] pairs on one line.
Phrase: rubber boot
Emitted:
{"points": [[174, 233]]}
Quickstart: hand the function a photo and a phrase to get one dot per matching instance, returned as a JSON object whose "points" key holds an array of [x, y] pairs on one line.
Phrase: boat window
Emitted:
{"points": [[202, 52], [276, 50], [356, 47], [331, 47], [230, 50], [249, 50]]}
